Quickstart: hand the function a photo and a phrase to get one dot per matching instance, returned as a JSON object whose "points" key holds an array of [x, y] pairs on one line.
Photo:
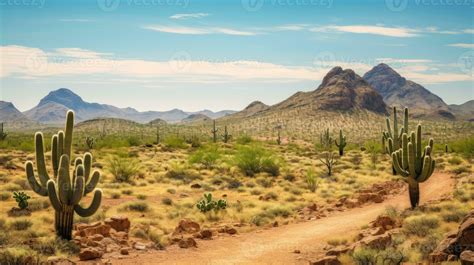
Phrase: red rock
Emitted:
{"points": [[90, 253], [53, 260], [467, 257], [118, 223], [437, 257], [369, 197], [206, 234], [338, 251], [386, 222], [328, 260], [124, 251], [377, 242], [187, 243], [93, 229], [187, 226]]}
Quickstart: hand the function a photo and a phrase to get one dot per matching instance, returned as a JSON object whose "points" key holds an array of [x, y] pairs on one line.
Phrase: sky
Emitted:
{"points": [[216, 54]]}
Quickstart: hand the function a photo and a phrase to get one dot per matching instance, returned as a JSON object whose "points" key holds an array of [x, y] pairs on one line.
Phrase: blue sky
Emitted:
{"points": [[189, 54]]}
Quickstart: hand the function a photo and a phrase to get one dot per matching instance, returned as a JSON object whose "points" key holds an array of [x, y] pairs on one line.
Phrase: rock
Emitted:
{"points": [[54, 260], [369, 197], [296, 251], [377, 242], [467, 257], [187, 226], [312, 207], [437, 257], [338, 251], [187, 243], [275, 224], [328, 260], [228, 230], [139, 246], [124, 251], [90, 253], [195, 186], [118, 223], [465, 237], [385, 222], [205, 234], [86, 230], [96, 237], [351, 203], [15, 211]]}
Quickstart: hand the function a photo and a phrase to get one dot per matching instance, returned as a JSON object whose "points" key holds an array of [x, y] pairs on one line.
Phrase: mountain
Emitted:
{"points": [[8, 112], [465, 110], [215, 115], [196, 118], [52, 110], [252, 109], [340, 90], [399, 92]]}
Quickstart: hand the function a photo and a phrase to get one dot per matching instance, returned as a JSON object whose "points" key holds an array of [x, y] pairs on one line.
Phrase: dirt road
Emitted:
{"points": [[276, 245]]}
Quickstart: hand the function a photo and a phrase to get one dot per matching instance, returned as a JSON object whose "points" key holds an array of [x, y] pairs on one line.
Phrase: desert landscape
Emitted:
{"points": [[365, 167]]}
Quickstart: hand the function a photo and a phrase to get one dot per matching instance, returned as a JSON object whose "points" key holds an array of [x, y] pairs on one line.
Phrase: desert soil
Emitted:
{"points": [[277, 245]]}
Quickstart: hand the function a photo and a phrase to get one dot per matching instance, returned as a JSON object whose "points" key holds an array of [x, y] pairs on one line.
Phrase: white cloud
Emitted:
{"points": [[198, 30], [291, 27], [373, 30], [188, 16], [462, 45], [469, 31], [27, 62]]}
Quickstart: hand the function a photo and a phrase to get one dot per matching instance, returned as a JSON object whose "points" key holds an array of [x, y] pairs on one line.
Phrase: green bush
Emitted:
{"points": [[21, 199], [207, 156], [420, 225], [244, 139], [123, 169], [254, 159], [137, 206], [174, 142], [463, 146], [18, 256], [311, 180]]}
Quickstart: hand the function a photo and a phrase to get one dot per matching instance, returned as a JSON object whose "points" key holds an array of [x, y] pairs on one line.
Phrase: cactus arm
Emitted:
{"points": [[411, 159], [405, 121], [35, 186], [54, 155], [53, 196], [68, 134], [396, 165], [389, 129], [40, 161], [90, 186], [78, 190], [404, 151], [87, 166], [86, 212], [60, 144], [64, 180]]}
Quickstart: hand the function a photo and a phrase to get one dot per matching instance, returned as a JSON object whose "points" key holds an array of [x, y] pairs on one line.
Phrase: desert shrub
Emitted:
{"points": [[254, 159], [115, 195], [464, 146], [127, 192], [21, 199], [167, 201], [20, 224], [244, 139], [337, 241], [454, 215], [133, 141], [141, 197], [123, 169], [389, 256], [174, 142], [4, 196], [420, 225], [12, 187], [38, 204], [427, 245], [18, 256], [207, 156], [461, 169], [180, 172], [208, 204], [455, 160], [137, 206], [311, 180]]}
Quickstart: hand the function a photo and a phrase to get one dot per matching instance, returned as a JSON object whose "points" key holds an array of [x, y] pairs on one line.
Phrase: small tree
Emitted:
{"points": [[329, 161]]}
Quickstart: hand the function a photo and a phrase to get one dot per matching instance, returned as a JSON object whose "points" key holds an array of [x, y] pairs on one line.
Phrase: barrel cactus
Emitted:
{"points": [[83, 178], [413, 162], [342, 143]]}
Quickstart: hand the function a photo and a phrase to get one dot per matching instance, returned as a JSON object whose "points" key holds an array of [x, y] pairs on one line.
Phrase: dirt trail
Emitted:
{"points": [[276, 245]]}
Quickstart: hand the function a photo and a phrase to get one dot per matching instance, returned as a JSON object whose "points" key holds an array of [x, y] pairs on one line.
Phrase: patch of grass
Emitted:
{"points": [[420, 225], [137, 206], [18, 256], [123, 169], [174, 142], [255, 159], [207, 156], [20, 224]]}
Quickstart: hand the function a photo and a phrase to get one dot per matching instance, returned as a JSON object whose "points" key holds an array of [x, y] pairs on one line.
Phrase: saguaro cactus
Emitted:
{"points": [[413, 163], [214, 132], [158, 135], [61, 150], [3, 135], [395, 135], [90, 142], [279, 138], [226, 137], [326, 140], [342, 143]]}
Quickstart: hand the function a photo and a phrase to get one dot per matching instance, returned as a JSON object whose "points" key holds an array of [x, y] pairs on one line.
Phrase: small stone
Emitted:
{"points": [[296, 251], [187, 243], [124, 251], [206, 234], [139, 246], [90, 253]]}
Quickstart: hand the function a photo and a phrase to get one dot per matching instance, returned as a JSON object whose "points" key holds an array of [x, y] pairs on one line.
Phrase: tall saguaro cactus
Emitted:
{"points": [[3, 135], [395, 135], [413, 163], [326, 140], [342, 143], [61, 150], [214, 132], [226, 137]]}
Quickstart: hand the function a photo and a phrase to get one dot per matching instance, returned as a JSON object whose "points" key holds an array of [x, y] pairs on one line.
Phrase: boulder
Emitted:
{"points": [[385, 222], [90, 253], [328, 260], [85, 230], [467, 257], [205, 234], [338, 251], [118, 223], [227, 230], [377, 242], [187, 226], [187, 243], [369, 197]]}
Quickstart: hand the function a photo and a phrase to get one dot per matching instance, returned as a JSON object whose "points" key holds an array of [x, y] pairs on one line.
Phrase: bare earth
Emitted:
{"points": [[276, 245]]}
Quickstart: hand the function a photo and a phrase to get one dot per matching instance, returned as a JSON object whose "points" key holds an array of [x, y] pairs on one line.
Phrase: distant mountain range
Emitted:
{"points": [[340, 91], [52, 110]]}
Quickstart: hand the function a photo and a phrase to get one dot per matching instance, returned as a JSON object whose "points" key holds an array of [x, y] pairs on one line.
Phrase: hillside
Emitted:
{"points": [[399, 92]]}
